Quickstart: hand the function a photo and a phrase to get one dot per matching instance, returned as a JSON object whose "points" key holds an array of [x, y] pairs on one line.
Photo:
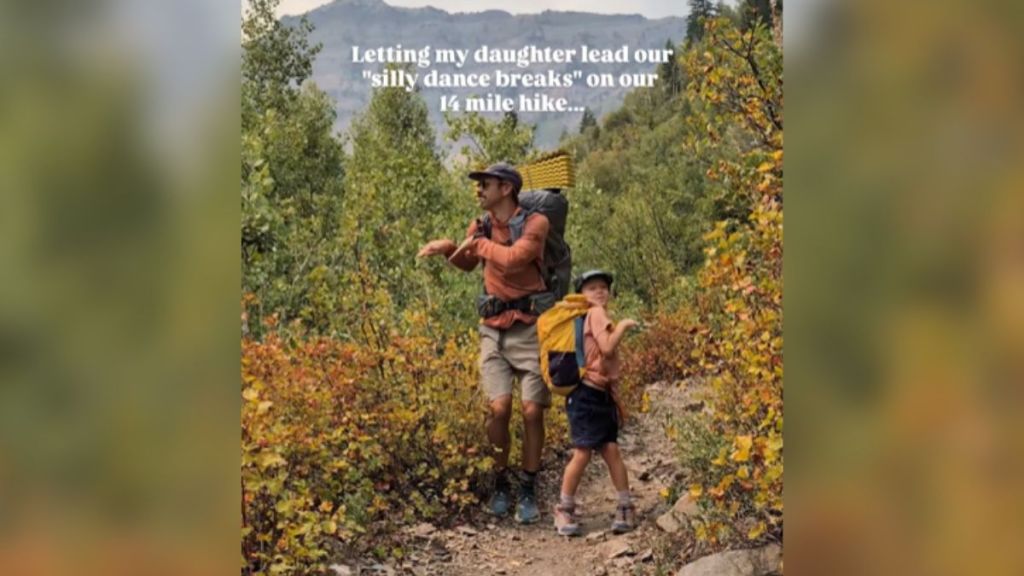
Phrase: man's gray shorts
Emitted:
{"points": [[509, 354]]}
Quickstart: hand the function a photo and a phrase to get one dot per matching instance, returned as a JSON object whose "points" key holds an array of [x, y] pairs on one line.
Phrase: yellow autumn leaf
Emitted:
{"points": [[695, 490], [250, 395], [330, 527], [756, 531], [742, 451], [701, 532], [264, 406], [765, 167], [271, 460], [743, 472], [664, 493]]}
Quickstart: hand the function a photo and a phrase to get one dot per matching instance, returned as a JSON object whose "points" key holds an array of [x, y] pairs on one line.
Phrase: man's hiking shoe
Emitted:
{"points": [[526, 509], [625, 519], [565, 521], [499, 501]]}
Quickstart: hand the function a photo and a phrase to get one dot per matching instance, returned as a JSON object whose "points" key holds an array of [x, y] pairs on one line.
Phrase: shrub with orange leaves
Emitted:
{"points": [[741, 490], [731, 334], [343, 442], [663, 351]]}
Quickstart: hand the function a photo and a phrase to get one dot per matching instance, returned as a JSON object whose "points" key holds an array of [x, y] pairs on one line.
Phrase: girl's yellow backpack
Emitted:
{"points": [[560, 332]]}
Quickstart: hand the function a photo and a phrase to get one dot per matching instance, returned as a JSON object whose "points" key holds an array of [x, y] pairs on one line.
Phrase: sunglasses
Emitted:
{"points": [[487, 182]]}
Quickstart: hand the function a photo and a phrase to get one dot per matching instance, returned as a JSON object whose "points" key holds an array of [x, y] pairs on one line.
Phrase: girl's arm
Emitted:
{"points": [[608, 340], [616, 336]]}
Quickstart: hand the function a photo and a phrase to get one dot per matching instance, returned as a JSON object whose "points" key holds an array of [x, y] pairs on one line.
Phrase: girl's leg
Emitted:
{"points": [[574, 471], [625, 512], [613, 458], [565, 510]]}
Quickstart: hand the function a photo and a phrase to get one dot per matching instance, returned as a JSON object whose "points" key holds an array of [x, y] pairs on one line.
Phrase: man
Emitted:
{"points": [[514, 295]]}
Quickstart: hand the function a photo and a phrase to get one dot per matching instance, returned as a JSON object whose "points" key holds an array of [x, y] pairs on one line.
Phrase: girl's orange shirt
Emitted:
{"points": [[601, 370]]}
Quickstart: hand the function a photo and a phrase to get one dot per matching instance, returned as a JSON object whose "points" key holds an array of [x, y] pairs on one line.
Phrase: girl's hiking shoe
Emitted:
{"points": [[625, 519], [526, 509], [565, 520]]}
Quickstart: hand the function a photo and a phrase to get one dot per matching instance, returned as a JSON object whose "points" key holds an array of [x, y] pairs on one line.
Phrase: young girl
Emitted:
{"points": [[593, 408]]}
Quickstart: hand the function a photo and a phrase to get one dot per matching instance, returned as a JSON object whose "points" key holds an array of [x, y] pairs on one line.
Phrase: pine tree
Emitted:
{"points": [[756, 12], [670, 73], [700, 12], [588, 121]]}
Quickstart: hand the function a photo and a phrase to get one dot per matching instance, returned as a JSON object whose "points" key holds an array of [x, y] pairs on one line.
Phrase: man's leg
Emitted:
{"points": [[497, 430], [533, 435], [527, 511], [521, 352], [496, 380]]}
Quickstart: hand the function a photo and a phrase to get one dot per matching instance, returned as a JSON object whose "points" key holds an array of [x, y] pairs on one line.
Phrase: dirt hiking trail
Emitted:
{"points": [[489, 545]]}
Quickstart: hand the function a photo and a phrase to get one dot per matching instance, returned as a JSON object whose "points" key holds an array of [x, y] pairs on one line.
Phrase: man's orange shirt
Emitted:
{"points": [[510, 272]]}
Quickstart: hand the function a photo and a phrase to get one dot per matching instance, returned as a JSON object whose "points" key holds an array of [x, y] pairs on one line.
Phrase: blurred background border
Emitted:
{"points": [[119, 302]]}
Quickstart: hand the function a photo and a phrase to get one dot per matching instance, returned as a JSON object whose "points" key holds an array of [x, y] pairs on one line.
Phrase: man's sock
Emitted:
{"points": [[501, 479], [528, 482]]}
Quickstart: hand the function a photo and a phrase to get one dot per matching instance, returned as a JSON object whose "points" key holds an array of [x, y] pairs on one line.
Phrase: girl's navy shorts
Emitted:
{"points": [[593, 419]]}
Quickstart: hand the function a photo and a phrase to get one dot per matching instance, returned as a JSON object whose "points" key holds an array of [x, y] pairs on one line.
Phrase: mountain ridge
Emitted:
{"points": [[342, 24]]}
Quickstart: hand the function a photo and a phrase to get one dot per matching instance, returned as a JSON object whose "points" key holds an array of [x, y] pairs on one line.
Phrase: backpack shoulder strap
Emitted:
{"points": [[581, 356], [485, 223], [516, 227], [517, 224]]}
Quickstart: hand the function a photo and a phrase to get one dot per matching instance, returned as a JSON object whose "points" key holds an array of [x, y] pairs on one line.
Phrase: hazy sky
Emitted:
{"points": [[648, 8]]}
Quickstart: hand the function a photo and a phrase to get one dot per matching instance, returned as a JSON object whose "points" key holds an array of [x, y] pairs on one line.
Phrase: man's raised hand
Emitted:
{"points": [[443, 246]]}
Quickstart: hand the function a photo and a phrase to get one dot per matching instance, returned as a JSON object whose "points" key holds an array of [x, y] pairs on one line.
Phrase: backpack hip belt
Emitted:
{"points": [[536, 304]]}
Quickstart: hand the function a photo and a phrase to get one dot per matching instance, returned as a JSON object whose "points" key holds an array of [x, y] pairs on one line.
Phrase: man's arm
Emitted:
{"points": [[465, 259], [521, 254]]}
